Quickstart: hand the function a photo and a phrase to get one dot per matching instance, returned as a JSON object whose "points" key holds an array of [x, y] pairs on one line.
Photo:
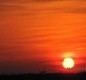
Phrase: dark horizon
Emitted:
{"points": [[45, 76]]}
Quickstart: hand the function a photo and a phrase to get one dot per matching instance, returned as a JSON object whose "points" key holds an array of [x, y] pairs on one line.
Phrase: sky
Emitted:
{"points": [[36, 33]]}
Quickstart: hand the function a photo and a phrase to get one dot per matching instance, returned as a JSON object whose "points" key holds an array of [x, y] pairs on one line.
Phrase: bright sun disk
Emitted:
{"points": [[68, 63]]}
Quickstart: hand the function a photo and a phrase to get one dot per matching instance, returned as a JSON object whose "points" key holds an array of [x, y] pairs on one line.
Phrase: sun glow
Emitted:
{"points": [[68, 63]]}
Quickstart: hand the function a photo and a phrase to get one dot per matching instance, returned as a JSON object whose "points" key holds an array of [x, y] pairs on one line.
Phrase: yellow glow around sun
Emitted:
{"points": [[68, 63]]}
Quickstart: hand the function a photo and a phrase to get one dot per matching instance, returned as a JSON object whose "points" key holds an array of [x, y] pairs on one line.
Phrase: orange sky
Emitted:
{"points": [[42, 29]]}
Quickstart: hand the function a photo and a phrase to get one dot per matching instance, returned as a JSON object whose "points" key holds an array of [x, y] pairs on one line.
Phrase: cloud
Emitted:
{"points": [[20, 1], [28, 7], [10, 7]]}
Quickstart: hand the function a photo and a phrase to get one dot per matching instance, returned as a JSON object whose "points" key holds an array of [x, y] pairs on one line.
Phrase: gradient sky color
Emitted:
{"points": [[32, 31]]}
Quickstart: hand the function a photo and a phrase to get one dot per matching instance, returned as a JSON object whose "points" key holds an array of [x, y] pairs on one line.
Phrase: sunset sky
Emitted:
{"points": [[35, 33]]}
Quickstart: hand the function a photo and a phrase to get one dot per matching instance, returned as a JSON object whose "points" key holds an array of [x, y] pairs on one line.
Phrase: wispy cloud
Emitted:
{"points": [[10, 8], [53, 6]]}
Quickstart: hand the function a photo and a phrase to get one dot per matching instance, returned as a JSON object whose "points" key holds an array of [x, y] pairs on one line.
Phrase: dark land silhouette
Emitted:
{"points": [[45, 76]]}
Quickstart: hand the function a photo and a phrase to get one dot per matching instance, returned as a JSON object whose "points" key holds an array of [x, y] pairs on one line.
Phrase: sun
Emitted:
{"points": [[68, 63]]}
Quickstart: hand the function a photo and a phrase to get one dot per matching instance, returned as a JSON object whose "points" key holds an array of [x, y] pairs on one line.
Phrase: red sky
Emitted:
{"points": [[40, 30]]}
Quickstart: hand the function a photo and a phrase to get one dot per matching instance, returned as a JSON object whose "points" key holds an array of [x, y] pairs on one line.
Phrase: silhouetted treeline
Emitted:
{"points": [[45, 76]]}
